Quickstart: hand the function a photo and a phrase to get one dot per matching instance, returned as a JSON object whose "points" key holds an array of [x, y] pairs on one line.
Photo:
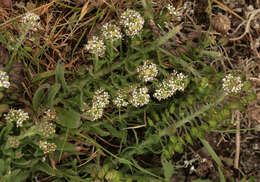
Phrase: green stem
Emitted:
{"points": [[96, 63], [17, 46], [189, 118], [122, 160], [63, 144]]}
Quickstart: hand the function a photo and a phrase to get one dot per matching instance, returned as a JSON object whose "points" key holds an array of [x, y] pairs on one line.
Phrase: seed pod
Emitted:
{"points": [[150, 122], [188, 138], [166, 153], [155, 116], [235, 105], [178, 148], [190, 99], [225, 113], [180, 140], [112, 175], [212, 123], [164, 118], [251, 97], [167, 113], [194, 132], [205, 127], [247, 86], [172, 108], [173, 139], [102, 172], [221, 24]]}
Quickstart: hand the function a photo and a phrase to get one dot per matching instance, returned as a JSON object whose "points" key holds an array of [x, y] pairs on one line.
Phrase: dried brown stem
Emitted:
{"points": [[236, 161]]}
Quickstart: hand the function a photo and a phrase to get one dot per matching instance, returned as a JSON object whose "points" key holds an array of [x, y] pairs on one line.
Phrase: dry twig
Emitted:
{"points": [[236, 114], [247, 29]]}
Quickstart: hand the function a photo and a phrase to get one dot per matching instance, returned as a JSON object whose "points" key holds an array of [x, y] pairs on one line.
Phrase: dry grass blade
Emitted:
{"points": [[84, 10], [228, 9]]}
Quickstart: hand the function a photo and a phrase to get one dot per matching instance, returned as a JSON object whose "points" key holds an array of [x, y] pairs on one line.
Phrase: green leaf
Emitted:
{"points": [[168, 168], [60, 76], [38, 96], [68, 117], [41, 76], [188, 139], [67, 147], [221, 175], [22, 163], [215, 157], [169, 35], [2, 167], [148, 8], [52, 92], [124, 161], [99, 131], [211, 152], [13, 175], [44, 167], [114, 132], [21, 176]]}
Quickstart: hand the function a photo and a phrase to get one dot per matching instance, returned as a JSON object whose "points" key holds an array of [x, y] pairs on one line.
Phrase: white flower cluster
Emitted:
{"points": [[47, 147], [96, 46], [47, 129], [18, 116], [121, 98], [4, 80], [148, 71], [31, 20], [111, 32], [232, 84], [95, 113], [99, 102], [101, 98], [172, 11], [140, 97], [13, 142], [49, 115], [169, 86], [187, 6], [132, 22]]}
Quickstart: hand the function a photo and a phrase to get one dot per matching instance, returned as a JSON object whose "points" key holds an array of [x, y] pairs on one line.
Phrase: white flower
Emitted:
{"points": [[148, 71], [232, 84], [171, 9], [49, 115], [132, 22], [140, 97], [13, 142], [4, 80], [95, 113], [96, 46], [169, 86], [175, 12], [99, 102], [47, 129], [101, 98], [111, 32], [18, 116], [121, 98], [31, 20], [47, 147], [92, 113]]}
